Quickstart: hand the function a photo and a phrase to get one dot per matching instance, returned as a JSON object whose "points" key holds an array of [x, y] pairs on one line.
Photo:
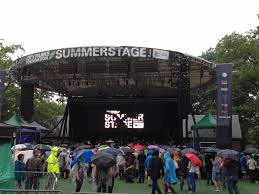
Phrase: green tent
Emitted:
{"points": [[17, 121], [207, 122]]}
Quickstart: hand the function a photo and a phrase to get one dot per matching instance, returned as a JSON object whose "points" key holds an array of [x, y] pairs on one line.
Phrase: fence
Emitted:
{"points": [[26, 191], [37, 180]]}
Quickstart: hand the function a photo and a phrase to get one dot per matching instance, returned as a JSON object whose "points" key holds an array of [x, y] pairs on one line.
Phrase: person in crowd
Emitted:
{"points": [[147, 166], [101, 177], [32, 166], [53, 167], [256, 157], [208, 168], [64, 164], [251, 164], [121, 165], [194, 171], [243, 165], [232, 167], [156, 166], [216, 172], [141, 166], [79, 175], [111, 178], [170, 178], [183, 172], [19, 171]]}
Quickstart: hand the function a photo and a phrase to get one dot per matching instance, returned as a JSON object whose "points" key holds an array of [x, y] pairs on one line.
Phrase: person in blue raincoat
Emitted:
{"points": [[147, 165], [170, 178]]}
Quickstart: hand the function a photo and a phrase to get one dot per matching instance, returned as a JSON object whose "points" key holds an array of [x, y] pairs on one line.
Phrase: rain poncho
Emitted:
{"points": [[53, 161], [148, 159], [169, 168]]}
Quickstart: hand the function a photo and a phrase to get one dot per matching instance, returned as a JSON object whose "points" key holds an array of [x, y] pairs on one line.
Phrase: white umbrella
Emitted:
{"points": [[19, 147]]}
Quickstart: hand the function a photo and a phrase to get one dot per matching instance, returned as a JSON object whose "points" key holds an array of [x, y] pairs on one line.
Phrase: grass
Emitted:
{"points": [[137, 188]]}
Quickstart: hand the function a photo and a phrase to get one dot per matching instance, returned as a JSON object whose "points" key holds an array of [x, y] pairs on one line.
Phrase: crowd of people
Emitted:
{"points": [[171, 165]]}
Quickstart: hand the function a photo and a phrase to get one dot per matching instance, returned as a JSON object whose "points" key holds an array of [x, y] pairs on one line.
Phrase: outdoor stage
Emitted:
{"points": [[115, 91]]}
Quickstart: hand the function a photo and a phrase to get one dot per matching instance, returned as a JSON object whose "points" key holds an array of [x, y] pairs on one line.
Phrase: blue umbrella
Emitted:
{"points": [[113, 151], [226, 153], [86, 156]]}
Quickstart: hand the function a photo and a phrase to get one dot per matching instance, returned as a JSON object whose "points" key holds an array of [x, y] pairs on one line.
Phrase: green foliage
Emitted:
{"points": [[46, 110], [243, 52]]}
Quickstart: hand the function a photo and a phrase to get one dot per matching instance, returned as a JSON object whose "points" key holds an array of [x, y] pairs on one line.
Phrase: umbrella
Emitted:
{"points": [[113, 151], [85, 155], [103, 147], [194, 159], [226, 153], [126, 150], [165, 147], [109, 141], [188, 150], [103, 160], [251, 150], [42, 147], [137, 147], [19, 147], [81, 147], [176, 149], [152, 147], [211, 150], [27, 154]]}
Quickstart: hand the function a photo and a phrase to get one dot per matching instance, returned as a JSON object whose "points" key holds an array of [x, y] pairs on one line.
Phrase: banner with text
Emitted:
{"points": [[224, 105]]}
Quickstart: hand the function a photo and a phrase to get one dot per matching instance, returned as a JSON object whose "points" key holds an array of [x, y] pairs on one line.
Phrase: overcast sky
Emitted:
{"points": [[188, 26]]}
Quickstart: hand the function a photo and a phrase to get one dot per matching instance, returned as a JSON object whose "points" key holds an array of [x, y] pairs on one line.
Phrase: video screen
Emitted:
{"points": [[117, 119]]}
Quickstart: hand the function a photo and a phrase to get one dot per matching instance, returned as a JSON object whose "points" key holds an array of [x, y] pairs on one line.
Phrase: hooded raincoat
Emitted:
{"points": [[53, 161], [169, 169]]}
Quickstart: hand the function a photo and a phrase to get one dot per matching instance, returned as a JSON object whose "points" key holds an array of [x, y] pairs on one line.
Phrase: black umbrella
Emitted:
{"points": [[188, 151], [251, 150], [103, 160], [226, 153]]}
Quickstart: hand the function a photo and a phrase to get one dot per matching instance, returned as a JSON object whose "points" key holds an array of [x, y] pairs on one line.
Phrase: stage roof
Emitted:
{"points": [[112, 71]]}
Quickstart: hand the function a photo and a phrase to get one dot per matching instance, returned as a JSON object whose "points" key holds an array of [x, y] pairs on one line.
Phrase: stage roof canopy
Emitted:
{"points": [[112, 71]]}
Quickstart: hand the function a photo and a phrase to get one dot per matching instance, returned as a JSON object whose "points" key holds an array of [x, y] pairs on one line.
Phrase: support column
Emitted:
{"points": [[27, 93]]}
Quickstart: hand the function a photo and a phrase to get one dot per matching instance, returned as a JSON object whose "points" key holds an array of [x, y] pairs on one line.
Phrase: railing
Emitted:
{"points": [[37, 180], [26, 191]]}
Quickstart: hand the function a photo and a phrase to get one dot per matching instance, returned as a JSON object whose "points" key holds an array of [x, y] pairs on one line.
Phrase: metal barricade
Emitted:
{"points": [[26, 191], [37, 180], [94, 193]]}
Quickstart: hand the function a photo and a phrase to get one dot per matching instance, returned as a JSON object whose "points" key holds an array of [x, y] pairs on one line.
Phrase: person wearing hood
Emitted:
{"points": [[147, 165], [170, 173], [53, 166]]}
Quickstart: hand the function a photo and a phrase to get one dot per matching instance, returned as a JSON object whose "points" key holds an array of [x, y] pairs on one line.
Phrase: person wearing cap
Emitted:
{"points": [[33, 166], [53, 166]]}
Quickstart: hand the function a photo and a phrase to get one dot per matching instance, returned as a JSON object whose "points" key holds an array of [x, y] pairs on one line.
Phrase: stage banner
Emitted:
{"points": [[2, 82], [224, 105]]}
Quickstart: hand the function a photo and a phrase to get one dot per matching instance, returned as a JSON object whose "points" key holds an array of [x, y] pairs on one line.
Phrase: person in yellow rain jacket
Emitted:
{"points": [[53, 168]]}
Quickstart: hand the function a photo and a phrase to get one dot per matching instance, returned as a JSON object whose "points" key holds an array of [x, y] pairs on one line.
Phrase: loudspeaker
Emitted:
{"points": [[27, 92]]}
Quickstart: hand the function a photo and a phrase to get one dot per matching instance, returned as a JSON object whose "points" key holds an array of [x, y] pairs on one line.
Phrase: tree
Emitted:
{"points": [[243, 51], [46, 110]]}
